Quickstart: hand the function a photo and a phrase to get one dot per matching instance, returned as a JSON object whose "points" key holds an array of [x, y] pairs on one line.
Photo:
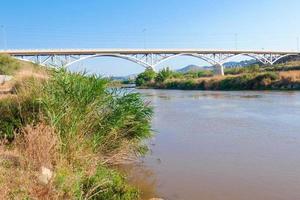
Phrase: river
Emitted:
{"points": [[221, 146]]}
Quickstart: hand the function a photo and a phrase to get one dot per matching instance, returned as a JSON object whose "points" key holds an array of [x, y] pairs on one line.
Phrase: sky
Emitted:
{"points": [[205, 24]]}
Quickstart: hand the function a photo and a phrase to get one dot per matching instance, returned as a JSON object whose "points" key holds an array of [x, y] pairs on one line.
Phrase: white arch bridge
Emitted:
{"points": [[148, 58]]}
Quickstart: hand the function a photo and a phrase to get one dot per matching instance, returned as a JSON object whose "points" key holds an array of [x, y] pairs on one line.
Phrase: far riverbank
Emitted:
{"points": [[249, 78]]}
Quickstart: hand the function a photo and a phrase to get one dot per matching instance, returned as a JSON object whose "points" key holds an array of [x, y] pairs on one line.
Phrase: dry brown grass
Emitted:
{"points": [[39, 145], [27, 72], [5, 96], [292, 63], [20, 164], [290, 75]]}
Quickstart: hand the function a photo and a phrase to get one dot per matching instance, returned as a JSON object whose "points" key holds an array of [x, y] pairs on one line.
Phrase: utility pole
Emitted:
{"points": [[3, 31]]}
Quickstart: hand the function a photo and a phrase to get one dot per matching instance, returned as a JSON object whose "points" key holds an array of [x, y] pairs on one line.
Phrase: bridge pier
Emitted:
{"points": [[219, 69]]}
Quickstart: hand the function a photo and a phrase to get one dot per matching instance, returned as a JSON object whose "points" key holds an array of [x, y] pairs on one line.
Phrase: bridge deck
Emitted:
{"points": [[135, 51]]}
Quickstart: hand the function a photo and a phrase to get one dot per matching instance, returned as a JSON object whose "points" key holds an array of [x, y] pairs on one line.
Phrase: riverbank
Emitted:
{"points": [[261, 81], [61, 133], [235, 79]]}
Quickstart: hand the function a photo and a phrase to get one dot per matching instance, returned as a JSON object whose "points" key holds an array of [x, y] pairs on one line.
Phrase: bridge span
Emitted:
{"points": [[148, 58]]}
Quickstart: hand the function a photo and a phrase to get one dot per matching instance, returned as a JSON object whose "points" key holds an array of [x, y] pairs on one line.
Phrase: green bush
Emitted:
{"points": [[107, 184], [77, 104], [15, 114], [163, 75], [198, 74], [236, 83], [240, 70], [143, 78], [269, 75], [248, 81]]}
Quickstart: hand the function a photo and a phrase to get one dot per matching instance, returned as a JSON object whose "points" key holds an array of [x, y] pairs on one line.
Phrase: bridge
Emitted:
{"points": [[148, 58]]}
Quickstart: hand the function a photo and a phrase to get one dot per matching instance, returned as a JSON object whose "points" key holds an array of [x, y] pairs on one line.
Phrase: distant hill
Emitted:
{"points": [[193, 68], [243, 63], [190, 68]]}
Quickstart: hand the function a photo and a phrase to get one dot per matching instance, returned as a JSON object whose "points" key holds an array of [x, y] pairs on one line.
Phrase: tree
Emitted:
{"points": [[146, 77], [163, 75]]}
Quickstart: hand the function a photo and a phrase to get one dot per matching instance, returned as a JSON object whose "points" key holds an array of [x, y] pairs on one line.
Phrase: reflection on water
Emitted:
{"points": [[222, 145], [142, 177]]}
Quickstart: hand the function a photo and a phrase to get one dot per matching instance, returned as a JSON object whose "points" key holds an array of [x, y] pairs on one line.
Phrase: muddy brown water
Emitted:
{"points": [[221, 146]]}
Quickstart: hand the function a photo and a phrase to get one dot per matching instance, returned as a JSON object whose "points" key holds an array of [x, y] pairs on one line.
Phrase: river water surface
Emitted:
{"points": [[222, 146]]}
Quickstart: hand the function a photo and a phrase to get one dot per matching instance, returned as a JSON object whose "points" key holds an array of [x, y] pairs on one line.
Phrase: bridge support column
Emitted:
{"points": [[219, 69]]}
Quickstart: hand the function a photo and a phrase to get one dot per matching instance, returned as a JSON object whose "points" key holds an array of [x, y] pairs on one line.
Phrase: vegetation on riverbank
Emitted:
{"points": [[74, 128], [277, 77]]}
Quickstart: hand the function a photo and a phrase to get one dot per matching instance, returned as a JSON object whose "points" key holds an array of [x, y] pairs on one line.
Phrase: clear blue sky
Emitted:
{"points": [[257, 24]]}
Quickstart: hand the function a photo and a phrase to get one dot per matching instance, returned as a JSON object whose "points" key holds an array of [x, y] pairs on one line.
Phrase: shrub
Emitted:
{"points": [[107, 184], [16, 113], [269, 75], [198, 74], [80, 106], [163, 75], [248, 81], [240, 70], [143, 78], [236, 83]]}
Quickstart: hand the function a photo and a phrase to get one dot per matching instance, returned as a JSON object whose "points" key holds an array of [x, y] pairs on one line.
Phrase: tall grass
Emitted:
{"points": [[81, 105], [92, 124]]}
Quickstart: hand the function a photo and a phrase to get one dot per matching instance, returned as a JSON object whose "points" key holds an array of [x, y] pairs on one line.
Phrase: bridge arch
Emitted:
{"points": [[216, 64], [261, 59], [281, 57], [205, 58], [125, 57]]}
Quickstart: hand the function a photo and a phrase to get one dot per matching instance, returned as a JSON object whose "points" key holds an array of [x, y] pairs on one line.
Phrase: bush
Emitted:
{"points": [[198, 74], [80, 105], [143, 78], [248, 81], [163, 75], [240, 70], [269, 75], [107, 184], [236, 83], [13, 117]]}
